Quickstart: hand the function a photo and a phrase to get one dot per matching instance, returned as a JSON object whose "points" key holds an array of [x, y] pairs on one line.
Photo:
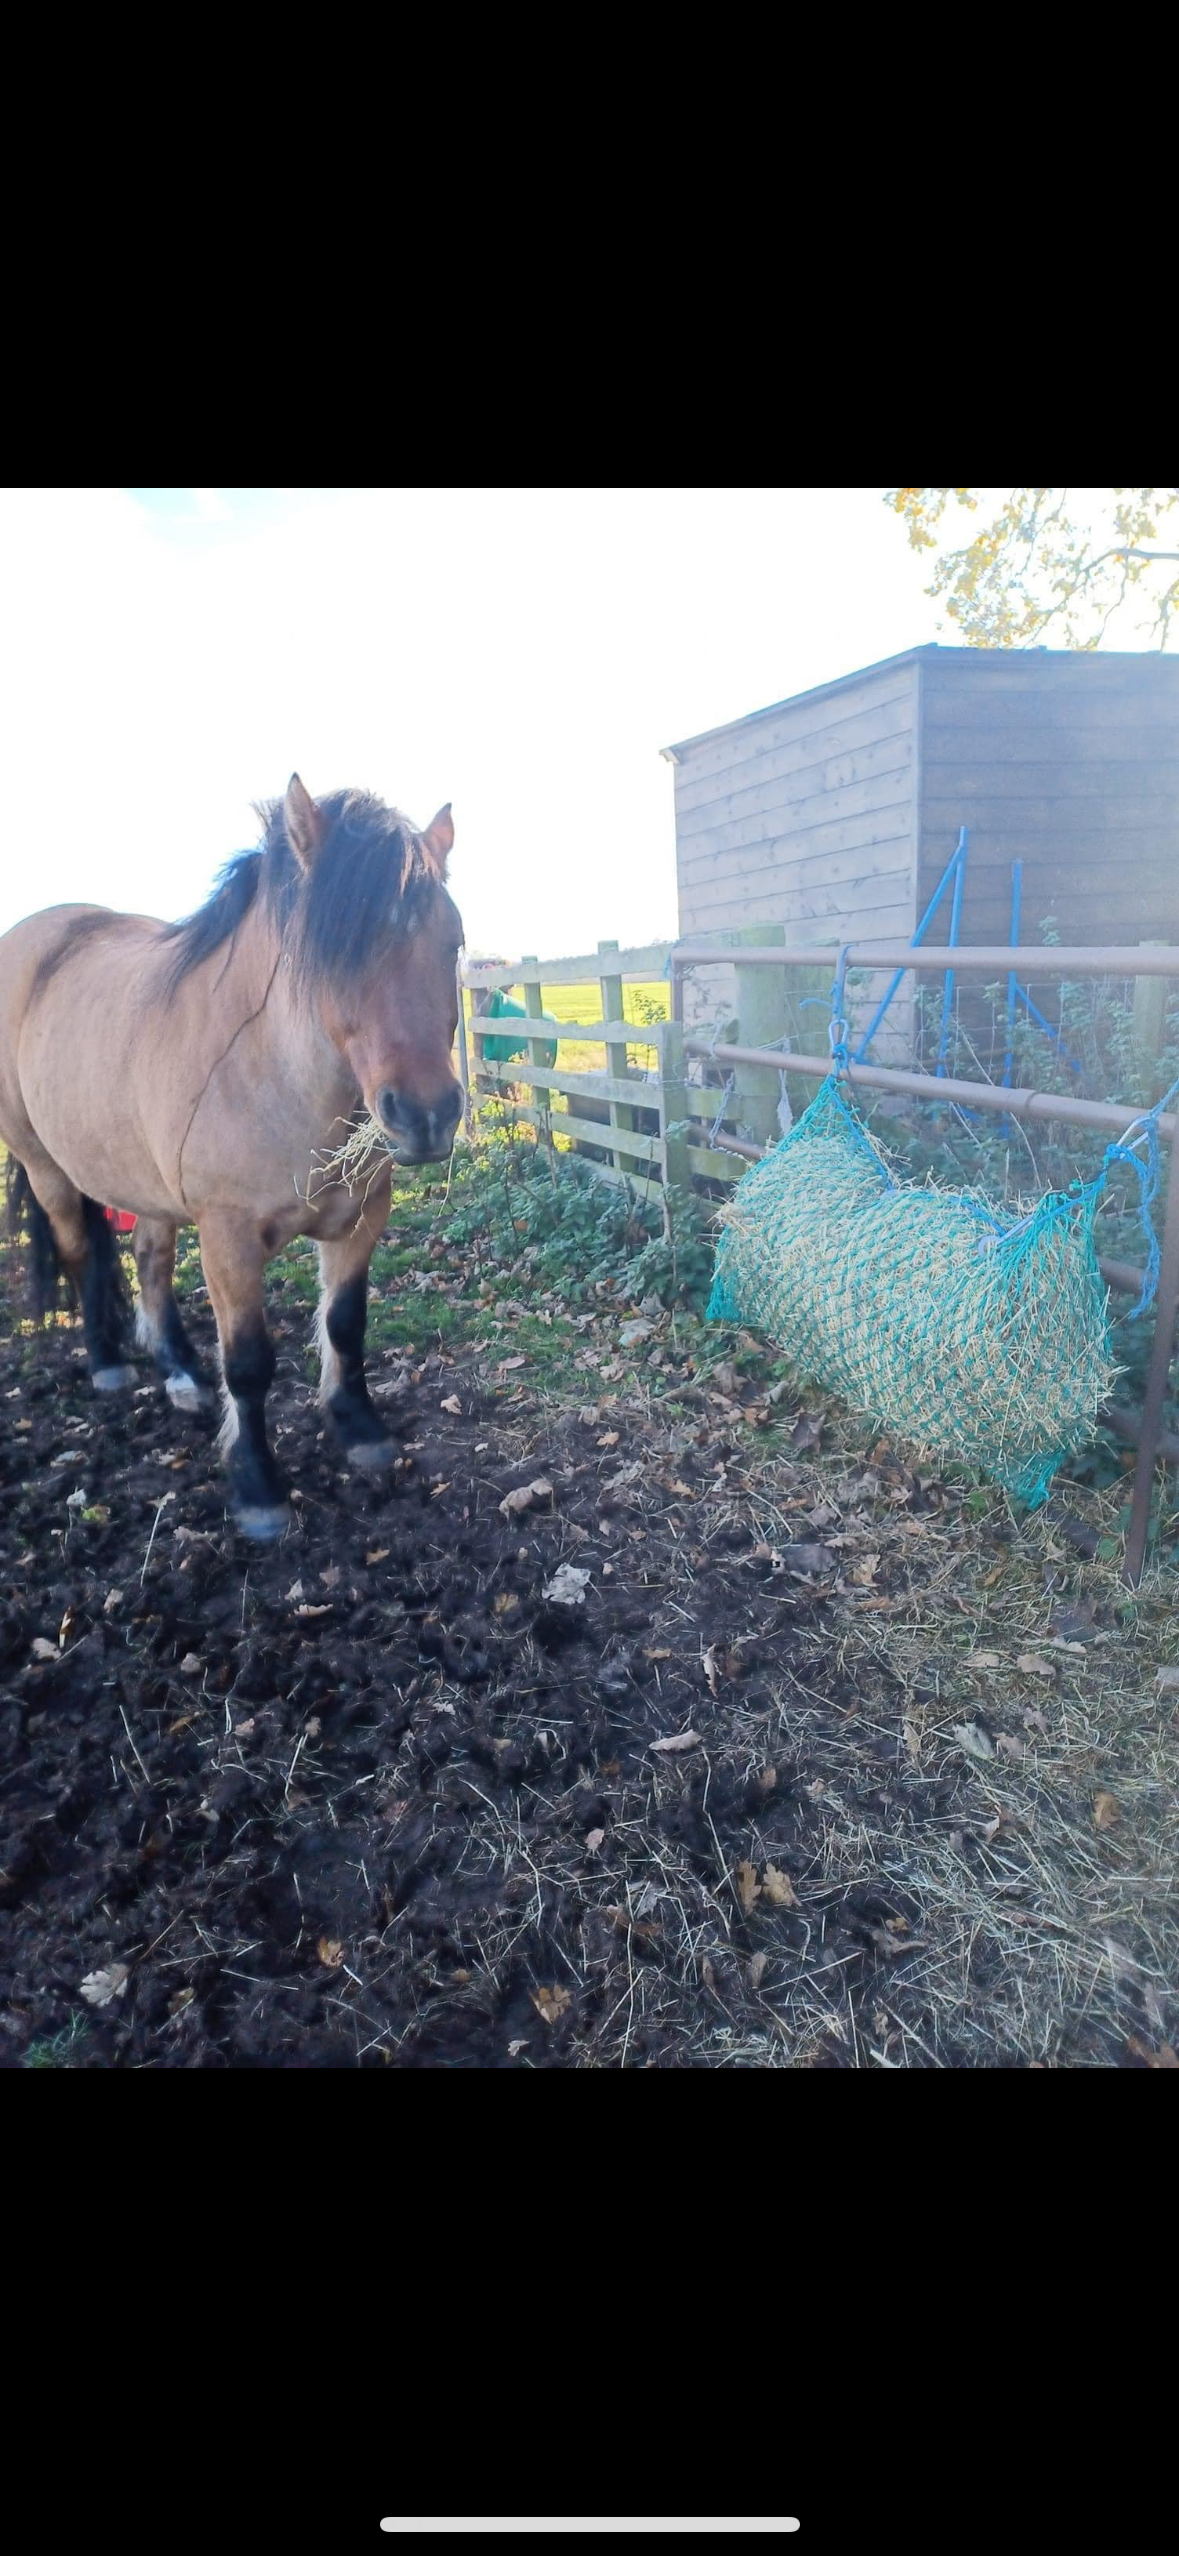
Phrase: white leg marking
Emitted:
{"points": [[370, 1456], [113, 1379], [329, 1364], [263, 1526], [185, 1391]]}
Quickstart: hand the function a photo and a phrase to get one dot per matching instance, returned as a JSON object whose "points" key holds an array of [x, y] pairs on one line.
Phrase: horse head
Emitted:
{"points": [[379, 937]]}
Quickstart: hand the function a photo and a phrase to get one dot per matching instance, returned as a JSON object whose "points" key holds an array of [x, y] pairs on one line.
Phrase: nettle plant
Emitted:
{"points": [[572, 1231]]}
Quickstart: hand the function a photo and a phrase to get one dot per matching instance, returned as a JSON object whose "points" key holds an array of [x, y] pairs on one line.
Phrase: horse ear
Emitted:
{"points": [[438, 839], [305, 823]]}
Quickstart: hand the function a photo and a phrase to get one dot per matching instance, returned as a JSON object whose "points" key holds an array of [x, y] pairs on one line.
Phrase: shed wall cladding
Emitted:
{"points": [[1069, 763], [804, 815]]}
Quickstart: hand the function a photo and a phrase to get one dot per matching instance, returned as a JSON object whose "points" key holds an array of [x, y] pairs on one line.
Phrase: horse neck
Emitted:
{"points": [[283, 1024]]}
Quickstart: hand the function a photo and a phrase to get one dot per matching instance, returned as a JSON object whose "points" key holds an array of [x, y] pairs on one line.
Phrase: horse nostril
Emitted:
{"points": [[387, 1109]]}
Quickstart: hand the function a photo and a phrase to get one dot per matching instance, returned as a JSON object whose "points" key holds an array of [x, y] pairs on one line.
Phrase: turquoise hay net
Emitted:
{"points": [[977, 1336]]}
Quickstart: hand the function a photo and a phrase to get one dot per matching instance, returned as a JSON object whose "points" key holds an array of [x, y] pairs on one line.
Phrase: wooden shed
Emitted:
{"points": [[834, 813]]}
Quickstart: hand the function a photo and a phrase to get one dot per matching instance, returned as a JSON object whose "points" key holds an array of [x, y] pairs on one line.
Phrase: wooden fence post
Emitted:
{"points": [[1166, 1306], [761, 1019], [463, 1050], [480, 1005], [1149, 1026], [542, 1097], [614, 1009], [808, 1027], [673, 1113]]}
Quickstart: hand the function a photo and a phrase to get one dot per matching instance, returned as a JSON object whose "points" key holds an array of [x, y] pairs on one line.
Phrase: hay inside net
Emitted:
{"points": [[976, 1336]]}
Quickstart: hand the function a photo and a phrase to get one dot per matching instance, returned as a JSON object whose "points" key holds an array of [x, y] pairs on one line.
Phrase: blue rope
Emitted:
{"points": [[1146, 1173], [837, 1032]]}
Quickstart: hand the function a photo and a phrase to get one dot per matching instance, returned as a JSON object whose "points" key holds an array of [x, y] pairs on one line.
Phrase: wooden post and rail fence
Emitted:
{"points": [[656, 1126]]}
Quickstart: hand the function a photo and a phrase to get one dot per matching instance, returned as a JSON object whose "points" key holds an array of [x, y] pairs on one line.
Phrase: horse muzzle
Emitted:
{"points": [[418, 1133]]}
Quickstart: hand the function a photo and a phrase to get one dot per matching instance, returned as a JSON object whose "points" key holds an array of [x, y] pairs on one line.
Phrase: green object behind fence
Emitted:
{"points": [[981, 1338], [501, 1051]]}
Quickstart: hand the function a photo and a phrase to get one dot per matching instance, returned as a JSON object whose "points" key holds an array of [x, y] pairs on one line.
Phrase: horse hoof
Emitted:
{"points": [[372, 1454], [263, 1526], [113, 1379], [187, 1392]]}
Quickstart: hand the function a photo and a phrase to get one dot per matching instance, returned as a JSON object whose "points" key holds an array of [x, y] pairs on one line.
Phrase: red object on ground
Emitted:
{"points": [[122, 1222]]}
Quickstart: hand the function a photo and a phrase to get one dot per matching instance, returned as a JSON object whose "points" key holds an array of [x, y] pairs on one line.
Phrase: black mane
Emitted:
{"points": [[370, 886]]}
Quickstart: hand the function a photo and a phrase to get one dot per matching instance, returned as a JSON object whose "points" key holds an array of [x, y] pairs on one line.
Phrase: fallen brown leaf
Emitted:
{"points": [[778, 1888], [330, 1953], [550, 2003], [679, 1740], [891, 1944], [515, 1502], [748, 1885], [1107, 1810]]}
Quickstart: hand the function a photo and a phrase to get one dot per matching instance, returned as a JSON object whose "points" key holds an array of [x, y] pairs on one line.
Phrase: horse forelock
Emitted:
{"points": [[372, 885]]}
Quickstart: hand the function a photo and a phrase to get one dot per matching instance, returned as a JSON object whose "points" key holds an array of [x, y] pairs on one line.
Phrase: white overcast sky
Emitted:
{"points": [[170, 655]]}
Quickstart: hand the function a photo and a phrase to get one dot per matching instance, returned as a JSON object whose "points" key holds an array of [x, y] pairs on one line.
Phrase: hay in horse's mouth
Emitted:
{"points": [[365, 1151]]}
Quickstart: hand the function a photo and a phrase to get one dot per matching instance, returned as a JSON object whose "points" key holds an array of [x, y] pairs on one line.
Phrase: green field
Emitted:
{"points": [[578, 1003]]}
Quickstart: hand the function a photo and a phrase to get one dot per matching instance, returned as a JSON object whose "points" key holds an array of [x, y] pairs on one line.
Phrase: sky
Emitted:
{"points": [[170, 655]]}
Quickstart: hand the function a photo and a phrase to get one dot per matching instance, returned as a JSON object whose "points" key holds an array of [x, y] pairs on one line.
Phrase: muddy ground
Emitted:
{"points": [[373, 1798]]}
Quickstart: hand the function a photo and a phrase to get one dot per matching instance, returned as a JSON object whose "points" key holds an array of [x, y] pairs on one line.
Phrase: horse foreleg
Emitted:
{"points": [[158, 1321], [233, 1258], [340, 1326]]}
